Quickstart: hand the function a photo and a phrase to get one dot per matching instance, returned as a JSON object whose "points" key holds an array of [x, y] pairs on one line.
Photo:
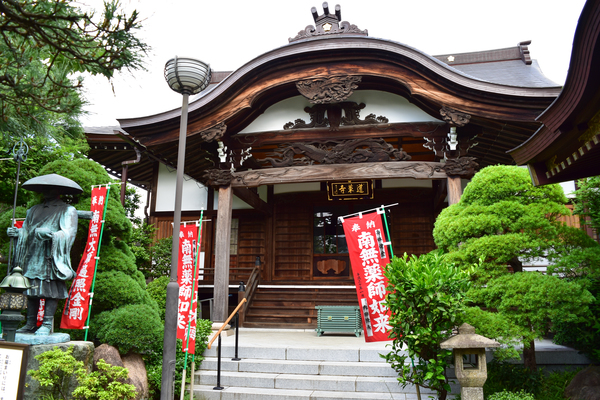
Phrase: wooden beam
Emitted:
{"points": [[253, 200], [454, 189], [322, 173], [223, 236]]}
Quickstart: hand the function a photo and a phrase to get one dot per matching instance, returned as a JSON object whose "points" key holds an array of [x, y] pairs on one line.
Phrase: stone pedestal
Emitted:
{"points": [[33, 339], [471, 393], [82, 351]]}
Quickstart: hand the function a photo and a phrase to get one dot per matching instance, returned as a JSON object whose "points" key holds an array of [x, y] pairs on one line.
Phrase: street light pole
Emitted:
{"points": [[185, 76]]}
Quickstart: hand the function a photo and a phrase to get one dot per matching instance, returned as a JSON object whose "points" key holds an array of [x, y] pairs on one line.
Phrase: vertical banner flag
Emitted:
{"points": [[368, 257], [41, 310], [77, 306], [188, 286]]}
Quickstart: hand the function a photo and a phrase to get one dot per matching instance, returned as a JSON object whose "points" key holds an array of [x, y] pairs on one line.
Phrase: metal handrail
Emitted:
{"points": [[225, 323], [218, 335]]}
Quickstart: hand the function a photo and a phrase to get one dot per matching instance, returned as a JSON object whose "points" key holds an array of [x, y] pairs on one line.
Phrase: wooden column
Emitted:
{"points": [[454, 189], [223, 236]]}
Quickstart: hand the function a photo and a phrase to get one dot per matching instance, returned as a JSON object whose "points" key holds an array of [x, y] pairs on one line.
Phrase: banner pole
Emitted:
{"points": [[387, 232], [194, 288], [87, 323]]}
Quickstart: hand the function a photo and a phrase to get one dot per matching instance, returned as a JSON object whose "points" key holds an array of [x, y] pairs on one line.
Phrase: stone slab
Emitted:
{"points": [[33, 339], [309, 354], [318, 382], [356, 368]]}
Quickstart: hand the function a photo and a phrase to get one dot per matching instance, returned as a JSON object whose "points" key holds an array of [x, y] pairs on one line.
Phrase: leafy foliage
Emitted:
{"points": [[58, 368], [153, 359], [503, 220], [505, 395], [107, 383], [587, 200], [157, 289], [130, 327], [511, 377], [45, 42], [531, 301], [425, 295]]}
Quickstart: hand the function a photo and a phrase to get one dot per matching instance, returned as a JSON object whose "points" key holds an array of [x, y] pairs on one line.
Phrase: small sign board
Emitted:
{"points": [[350, 190], [13, 370]]}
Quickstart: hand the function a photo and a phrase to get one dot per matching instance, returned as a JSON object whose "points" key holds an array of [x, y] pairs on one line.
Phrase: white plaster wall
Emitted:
{"points": [[237, 204], [194, 193], [395, 108]]}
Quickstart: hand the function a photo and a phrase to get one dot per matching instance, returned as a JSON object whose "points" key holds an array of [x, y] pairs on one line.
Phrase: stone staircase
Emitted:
{"points": [[301, 371]]}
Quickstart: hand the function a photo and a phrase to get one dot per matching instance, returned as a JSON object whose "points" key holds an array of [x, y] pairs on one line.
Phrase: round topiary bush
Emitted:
{"points": [[133, 327]]}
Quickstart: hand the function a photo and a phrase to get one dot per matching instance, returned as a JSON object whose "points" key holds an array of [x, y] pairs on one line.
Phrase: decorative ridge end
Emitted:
{"points": [[327, 24], [525, 55]]}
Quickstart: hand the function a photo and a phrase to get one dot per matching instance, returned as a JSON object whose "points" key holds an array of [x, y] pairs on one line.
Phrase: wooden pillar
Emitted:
{"points": [[223, 235], [454, 189]]}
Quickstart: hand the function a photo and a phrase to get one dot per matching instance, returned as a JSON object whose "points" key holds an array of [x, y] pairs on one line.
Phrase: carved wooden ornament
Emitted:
{"points": [[214, 133], [351, 116], [332, 89], [327, 24], [464, 167], [454, 117], [218, 177], [337, 152]]}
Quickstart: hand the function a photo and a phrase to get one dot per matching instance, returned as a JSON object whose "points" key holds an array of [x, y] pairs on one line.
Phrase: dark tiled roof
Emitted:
{"points": [[514, 73], [508, 66]]}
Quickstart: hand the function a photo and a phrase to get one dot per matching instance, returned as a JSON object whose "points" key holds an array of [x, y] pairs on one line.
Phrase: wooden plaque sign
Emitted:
{"points": [[350, 190], [13, 369]]}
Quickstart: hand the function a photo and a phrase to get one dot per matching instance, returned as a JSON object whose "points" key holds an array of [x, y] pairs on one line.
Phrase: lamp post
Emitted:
{"points": [[185, 76]]}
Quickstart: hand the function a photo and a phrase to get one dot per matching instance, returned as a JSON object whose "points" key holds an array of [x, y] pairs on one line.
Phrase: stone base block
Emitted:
{"points": [[31, 338], [471, 393]]}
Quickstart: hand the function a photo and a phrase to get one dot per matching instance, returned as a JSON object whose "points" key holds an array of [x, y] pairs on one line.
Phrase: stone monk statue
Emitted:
{"points": [[43, 248]]}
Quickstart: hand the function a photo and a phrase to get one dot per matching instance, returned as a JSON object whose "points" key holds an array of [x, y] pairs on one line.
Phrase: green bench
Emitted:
{"points": [[338, 319]]}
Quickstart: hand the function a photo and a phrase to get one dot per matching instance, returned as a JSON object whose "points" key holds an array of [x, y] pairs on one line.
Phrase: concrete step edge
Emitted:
{"points": [[236, 392]]}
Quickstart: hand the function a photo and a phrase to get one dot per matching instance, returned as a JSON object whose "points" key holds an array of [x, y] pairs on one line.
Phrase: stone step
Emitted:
{"points": [[245, 393], [373, 369], [349, 384], [297, 354]]}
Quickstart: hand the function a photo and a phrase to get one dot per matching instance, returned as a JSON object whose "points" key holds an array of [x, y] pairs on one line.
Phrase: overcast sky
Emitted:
{"points": [[228, 34]]}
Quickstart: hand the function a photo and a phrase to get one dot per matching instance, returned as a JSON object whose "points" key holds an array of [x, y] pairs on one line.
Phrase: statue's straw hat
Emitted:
{"points": [[46, 183]]}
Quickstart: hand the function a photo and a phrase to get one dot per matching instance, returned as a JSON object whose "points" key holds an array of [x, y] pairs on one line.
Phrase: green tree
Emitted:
{"points": [[45, 46], [587, 200], [503, 220], [426, 297]]}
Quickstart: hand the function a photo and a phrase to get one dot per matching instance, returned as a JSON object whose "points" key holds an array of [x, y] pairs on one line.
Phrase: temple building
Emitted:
{"points": [[331, 123]]}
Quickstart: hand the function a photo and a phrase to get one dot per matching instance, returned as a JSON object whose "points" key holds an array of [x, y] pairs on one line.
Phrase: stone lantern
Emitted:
{"points": [[469, 360], [12, 301]]}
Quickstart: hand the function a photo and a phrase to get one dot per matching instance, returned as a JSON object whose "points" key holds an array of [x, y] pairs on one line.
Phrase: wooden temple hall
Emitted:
{"points": [[331, 123]]}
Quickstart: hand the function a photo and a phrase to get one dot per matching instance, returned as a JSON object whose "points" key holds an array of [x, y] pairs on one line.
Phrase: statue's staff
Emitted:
{"points": [[19, 156]]}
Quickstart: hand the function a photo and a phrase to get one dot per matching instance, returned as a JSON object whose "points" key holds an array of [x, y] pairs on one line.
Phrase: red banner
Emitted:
{"points": [[77, 306], [188, 286], [41, 310], [368, 257]]}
